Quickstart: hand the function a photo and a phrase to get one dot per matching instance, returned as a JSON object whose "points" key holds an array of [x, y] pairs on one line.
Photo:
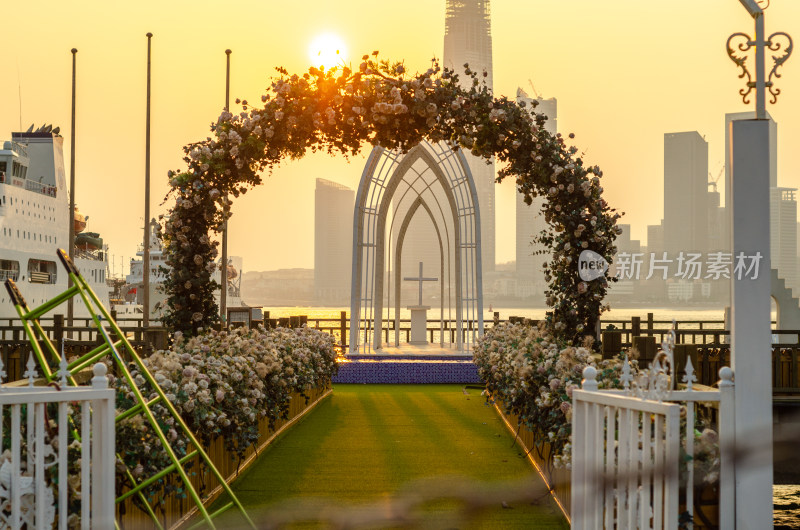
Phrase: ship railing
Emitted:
{"points": [[96, 255], [40, 187], [9, 274]]}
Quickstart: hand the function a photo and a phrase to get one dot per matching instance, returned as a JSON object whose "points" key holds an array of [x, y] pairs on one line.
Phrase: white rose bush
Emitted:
{"points": [[222, 383], [532, 374]]}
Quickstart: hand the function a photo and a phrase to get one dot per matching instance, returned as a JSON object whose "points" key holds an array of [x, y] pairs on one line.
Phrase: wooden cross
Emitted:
{"points": [[420, 280]]}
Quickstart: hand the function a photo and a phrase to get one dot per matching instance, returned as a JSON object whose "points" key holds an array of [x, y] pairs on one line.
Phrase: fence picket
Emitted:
{"points": [[611, 465], [624, 468], [633, 467], [63, 495], [15, 465], [671, 472], [597, 459], [577, 508], [647, 471], [86, 450], [658, 490], [41, 503]]}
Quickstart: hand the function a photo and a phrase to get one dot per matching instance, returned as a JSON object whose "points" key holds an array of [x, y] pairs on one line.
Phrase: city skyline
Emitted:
{"points": [[619, 92]]}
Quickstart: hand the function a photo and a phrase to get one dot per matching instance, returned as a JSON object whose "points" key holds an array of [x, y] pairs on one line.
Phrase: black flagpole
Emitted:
{"points": [[223, 298], [70, 303], [146, 256]]}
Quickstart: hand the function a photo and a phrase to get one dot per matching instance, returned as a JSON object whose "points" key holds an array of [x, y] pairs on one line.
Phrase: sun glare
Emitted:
{"points": [[327, 50]]}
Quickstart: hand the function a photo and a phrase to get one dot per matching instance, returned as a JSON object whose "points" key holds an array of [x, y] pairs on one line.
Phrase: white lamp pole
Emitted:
{"points": [[751, 334]]}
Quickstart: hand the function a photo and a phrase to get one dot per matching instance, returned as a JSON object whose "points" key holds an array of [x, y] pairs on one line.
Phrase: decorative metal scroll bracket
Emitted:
{"points": [[778, 60], [738, 46], [656, 381], [738, 54]]}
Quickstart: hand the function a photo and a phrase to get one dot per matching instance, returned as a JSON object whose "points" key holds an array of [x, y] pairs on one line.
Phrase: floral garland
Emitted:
{"points": [[339, 110]]}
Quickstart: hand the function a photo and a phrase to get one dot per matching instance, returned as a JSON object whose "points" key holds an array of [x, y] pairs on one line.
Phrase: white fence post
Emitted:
{"points": [[727, 448], [103, 451]]}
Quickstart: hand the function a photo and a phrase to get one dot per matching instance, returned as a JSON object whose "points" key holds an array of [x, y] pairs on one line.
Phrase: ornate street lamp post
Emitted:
{"points": [[749, 481]]}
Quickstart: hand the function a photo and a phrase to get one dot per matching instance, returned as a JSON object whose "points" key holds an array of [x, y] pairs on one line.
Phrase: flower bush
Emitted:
{"points": [[341, 110], [533, 373], [221, 383]]}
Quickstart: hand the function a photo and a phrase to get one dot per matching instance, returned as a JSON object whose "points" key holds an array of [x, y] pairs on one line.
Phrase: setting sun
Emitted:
{"points": [[327, 50]]}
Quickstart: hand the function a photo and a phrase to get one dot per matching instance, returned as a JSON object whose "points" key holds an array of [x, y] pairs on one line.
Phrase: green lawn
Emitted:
{"points": [[378, 449]]}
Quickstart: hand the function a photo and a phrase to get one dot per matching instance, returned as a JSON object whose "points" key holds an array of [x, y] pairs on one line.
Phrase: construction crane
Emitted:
{"points": [[713, 181], [535, 92]]}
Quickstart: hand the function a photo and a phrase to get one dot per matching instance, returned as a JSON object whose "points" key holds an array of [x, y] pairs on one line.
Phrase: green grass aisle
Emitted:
{"points": [[367, 442]]}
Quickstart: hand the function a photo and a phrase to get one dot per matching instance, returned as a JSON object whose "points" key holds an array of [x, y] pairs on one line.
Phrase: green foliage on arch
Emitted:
{"points": [[341, 110]]}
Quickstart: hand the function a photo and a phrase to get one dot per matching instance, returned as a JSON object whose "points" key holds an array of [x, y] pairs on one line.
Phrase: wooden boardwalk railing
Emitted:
{"points": [[707, 340]]}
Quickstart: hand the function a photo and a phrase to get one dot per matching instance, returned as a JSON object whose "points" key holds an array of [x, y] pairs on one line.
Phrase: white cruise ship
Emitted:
{"points": [[134, 281], [34, 223]]}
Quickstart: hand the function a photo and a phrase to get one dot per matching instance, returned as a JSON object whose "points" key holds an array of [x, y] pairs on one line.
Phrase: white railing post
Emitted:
{"points": [[578, 466], [727, 447], [589, 381], [103, 457], [581, 454]]}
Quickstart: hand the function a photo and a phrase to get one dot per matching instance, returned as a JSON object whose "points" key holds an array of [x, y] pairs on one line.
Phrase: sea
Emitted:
{"points": [[786, 497], [665, 314]]}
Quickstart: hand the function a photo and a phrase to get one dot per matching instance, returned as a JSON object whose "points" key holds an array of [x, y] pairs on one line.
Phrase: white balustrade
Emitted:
{"points": [[37, 487], [626, 448]]}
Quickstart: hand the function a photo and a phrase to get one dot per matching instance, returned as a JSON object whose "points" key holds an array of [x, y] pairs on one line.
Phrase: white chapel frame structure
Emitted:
{"points": [[432, 180]]}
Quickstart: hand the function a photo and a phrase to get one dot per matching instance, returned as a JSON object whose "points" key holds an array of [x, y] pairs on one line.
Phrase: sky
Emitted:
{"points": [[624, 72]]}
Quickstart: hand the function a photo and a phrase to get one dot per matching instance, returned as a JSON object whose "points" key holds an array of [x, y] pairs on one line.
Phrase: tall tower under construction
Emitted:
{"points": [[468, 40]]}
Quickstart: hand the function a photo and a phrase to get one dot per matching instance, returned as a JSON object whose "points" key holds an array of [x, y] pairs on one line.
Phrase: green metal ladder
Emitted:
{"points": [[39, 340]]}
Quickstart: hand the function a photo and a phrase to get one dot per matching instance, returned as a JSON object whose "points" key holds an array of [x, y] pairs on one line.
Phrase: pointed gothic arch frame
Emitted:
{"points": [[382, 175], [398, 266]]}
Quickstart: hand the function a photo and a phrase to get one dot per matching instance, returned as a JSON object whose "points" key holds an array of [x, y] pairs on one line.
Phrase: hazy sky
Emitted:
{"points": [[624, 72]]}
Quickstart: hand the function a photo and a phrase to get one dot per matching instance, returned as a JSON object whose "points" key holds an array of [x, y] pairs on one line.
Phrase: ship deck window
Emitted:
{"points": [[9, 269], [41, 271]]}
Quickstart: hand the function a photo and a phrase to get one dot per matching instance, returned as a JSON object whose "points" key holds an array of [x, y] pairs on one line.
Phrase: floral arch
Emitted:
{"points": [[340, 110]]}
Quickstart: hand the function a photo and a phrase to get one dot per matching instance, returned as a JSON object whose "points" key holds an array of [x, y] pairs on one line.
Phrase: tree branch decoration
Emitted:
{"points": [[339, 111]]}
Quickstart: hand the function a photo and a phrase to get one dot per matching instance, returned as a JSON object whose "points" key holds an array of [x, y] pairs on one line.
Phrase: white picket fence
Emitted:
{"points": [[626, 452], [35, 482]]}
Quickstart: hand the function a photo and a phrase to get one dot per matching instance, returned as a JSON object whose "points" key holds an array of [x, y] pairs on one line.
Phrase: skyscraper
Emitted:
{"points": [[685, 193], [468, 39], [783, 234], [333, 242], [530, 221]]}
